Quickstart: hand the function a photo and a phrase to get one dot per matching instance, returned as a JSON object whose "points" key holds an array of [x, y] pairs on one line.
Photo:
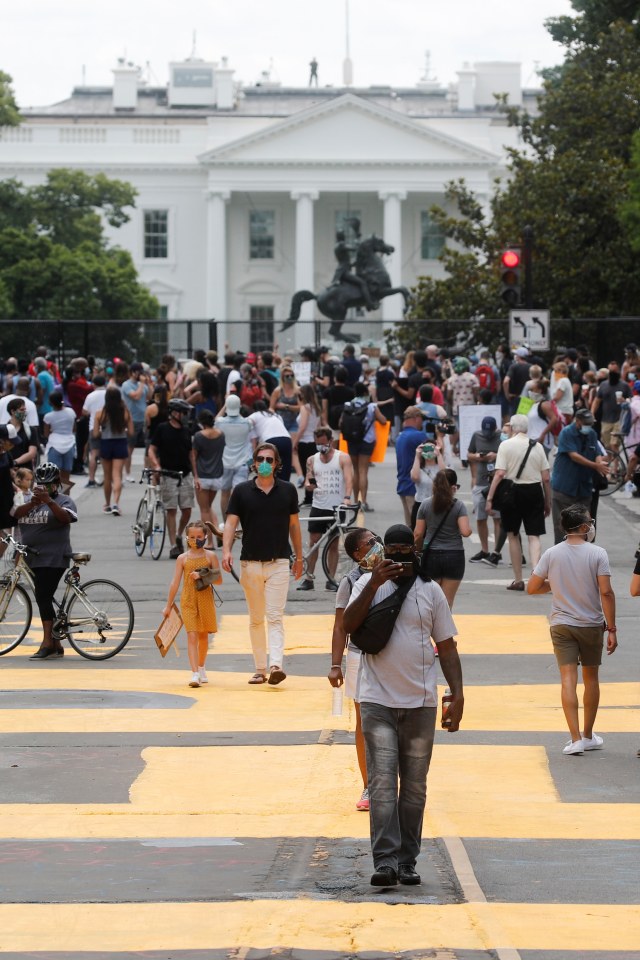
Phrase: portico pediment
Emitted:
{"points": [[347, 131]]}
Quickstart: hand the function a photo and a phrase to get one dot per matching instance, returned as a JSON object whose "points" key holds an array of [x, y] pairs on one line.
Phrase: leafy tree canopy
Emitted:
{"points": [[9, 115]]}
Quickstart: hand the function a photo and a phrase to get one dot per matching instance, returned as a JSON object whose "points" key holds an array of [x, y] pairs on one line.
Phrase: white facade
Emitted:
{"points": [[240, 194]]}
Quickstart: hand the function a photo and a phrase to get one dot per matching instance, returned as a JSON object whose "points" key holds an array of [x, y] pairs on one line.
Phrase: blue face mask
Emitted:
{"points": [[265, 469], [585, 430], [504, 436]]}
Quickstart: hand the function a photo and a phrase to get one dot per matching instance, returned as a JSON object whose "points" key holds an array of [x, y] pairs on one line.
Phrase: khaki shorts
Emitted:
{"points": [[577, 644], [174, 496]]}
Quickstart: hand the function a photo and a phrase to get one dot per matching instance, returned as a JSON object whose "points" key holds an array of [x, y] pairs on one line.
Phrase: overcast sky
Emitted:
{"points": [[44, 44]]}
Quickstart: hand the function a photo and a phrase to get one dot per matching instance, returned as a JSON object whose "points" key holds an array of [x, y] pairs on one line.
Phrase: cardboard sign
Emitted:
{"points": [[471, 417], [168, 631]]}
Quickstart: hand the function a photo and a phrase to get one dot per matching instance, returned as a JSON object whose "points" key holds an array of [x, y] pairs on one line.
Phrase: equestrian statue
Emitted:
{"points": [[361, 283]]}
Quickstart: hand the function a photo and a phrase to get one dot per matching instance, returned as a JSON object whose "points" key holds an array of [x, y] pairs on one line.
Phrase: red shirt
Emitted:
{"points": [[77, 392]]}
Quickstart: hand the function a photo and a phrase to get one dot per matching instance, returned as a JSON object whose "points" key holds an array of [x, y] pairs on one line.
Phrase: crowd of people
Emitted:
{"points": [[264, 431]]}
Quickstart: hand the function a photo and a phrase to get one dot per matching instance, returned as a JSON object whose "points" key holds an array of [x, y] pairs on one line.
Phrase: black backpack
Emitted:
{"points": [[353, 422]]}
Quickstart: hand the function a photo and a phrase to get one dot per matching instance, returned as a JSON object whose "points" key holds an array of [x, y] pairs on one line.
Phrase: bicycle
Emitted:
{"points": [[618, 466], [95, 617], [332, 544], [151, 519]]}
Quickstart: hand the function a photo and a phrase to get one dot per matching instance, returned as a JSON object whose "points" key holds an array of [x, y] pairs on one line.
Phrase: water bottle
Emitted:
{"points": [[629, 487], [337, 701], [447, 697]]}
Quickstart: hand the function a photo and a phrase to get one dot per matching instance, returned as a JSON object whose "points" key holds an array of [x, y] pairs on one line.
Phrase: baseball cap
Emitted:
{"points": [[636, 386], [522, 352], [585, 416], [488, 424], [412, 412], [233, 405], [135, 367]]}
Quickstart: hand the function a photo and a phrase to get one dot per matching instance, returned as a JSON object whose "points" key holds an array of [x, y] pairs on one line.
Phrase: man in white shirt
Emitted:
{"points": [[398, 703], [531, 493], [32, 410], [93, 404], [576, 572]]}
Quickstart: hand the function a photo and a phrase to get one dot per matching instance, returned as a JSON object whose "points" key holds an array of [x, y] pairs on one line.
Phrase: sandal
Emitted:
{"points": [[258, 678], [516, 585], [277, 675]]}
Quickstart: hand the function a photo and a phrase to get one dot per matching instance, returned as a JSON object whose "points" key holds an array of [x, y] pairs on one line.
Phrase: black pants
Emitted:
{"points": [[82, 436], [283, 446], [46, 580], [306, 450]]}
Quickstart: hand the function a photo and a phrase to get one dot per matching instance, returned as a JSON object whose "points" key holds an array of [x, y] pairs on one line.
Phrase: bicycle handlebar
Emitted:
{"points": [[148, 472], [20, 547]]}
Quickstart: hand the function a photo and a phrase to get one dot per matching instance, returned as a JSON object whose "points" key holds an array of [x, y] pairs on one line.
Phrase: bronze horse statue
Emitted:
{"points": [[336, 299]]}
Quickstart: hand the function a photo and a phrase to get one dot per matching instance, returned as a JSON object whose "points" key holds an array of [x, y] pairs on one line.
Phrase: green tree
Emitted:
{"points": [[56, 264], [9, 115], [570, 181]]}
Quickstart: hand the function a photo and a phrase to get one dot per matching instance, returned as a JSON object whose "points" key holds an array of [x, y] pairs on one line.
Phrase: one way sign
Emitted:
{"points": [[529, 327]]}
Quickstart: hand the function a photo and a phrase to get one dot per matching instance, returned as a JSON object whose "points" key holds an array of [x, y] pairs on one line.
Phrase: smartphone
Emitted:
{"points": [[312, 482], [407, 570]]}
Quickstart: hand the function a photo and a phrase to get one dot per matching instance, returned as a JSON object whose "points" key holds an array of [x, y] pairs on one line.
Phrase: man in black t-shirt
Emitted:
{"points": [[171, 450], [517, 376], [267, 509], [335, 398]]}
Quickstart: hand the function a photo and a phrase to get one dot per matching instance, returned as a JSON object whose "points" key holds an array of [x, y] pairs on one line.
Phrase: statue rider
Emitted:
{"points": [[344, 273], [313, 72]]}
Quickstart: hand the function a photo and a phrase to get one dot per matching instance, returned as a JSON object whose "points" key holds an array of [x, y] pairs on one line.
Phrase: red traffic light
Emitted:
{"points": [[510, 259]]}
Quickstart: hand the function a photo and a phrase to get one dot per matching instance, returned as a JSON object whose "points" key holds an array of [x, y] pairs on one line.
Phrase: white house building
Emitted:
{"points": [[241, 188]]}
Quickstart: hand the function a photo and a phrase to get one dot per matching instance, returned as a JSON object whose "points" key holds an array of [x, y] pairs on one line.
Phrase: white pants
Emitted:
{"points": [[265, 587]]}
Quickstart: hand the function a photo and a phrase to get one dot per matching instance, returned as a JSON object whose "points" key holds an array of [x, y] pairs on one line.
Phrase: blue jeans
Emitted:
{"points": [[398, 745]]}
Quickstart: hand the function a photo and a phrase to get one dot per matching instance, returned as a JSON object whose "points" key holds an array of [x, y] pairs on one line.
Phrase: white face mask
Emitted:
{"points": [[591, 533]]}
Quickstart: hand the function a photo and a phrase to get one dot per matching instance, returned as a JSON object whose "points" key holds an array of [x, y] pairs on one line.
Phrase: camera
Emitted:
{"points": [[442, 426]]}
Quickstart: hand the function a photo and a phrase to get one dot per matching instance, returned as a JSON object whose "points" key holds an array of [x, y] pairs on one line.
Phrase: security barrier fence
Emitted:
{"points": [[148, 340]]}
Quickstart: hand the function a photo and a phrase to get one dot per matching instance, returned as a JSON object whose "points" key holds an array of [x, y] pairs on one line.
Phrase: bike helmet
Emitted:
{"points": [[47, 473], [461, 365], [178, 406]]}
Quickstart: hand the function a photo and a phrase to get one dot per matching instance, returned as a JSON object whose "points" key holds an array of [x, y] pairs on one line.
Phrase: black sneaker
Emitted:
{"points": [[180, 544], [175, 552], [408, 875], [384, 876], [306, 585], [492, 559], [329, 585], [479, 557]]}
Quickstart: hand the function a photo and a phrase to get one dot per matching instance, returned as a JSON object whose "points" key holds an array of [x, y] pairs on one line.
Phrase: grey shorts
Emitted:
{"points": [[480, 505], [209, 483], [231, 477], [174, 496], [577, 644]]}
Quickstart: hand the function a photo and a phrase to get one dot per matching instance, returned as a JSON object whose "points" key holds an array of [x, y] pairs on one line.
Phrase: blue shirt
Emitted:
{"points": [[568, 477], [406, 445]]}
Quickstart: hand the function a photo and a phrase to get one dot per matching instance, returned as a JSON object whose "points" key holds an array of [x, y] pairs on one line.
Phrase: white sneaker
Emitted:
{"points": [[195, 680], [573, 748], [593, 743], [202, 673]]}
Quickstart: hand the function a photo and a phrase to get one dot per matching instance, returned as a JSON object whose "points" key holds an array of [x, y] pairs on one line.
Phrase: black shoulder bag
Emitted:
{"points": [[373, 633], [505, 494]]}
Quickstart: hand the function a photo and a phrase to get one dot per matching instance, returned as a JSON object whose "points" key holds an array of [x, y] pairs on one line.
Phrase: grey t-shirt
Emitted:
{"points": [[611, 411], [237, 447], [449, 537], [404, 674], [209, 453], [572, 570], [49, 540], [479, 443]]}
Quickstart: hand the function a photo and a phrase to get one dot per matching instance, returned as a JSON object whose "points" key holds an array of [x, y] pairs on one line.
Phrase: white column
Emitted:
{"points": [[216, 263], [392, 234], [304, 262]]}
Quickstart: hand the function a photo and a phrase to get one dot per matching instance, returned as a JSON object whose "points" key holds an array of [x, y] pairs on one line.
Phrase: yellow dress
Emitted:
{"points": [[196, 606]]}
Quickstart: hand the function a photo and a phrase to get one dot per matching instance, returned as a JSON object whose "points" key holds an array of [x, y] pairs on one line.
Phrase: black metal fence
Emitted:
{"points": [[147, 340]]}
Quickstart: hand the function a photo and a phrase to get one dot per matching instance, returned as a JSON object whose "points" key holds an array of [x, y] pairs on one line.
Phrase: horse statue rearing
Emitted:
{"points": [[336, 299]]}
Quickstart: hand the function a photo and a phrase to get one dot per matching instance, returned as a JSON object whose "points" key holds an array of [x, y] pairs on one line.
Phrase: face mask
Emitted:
{"points": [[372, 558], [288, 378], [591, 534], [265, 469], [323, 447], [197, 542], [504, 436], [20, 415], [585, 430]]}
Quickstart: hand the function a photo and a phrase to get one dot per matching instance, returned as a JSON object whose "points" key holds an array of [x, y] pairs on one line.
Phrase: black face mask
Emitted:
{"points": [[614, 378]]}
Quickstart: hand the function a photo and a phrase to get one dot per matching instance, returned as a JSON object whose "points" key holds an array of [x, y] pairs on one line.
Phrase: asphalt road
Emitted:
{"points": [[146, 819]]}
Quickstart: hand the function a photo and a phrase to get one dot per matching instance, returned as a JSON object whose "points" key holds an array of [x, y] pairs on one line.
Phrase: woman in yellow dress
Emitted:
{"points": [[196, 606]]}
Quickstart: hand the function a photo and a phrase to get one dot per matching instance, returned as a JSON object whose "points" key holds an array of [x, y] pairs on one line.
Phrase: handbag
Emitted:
{"points": [[207, 576], [375, 630], [505, 493]]}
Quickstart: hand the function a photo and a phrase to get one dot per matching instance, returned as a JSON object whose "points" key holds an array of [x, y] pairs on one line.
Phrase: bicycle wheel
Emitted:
{"points": [[15, 615], [158, 530], [140, 528], [341, 559], [99, 624], [617, 473]]}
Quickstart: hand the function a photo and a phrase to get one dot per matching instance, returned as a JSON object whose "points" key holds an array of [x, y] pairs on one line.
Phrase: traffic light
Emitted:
{"points": [[510, 276]]}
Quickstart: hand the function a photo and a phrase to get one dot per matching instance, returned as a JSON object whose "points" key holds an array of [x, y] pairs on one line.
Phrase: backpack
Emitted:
{"points": [[486, 377], [249, 394], [353, 422]]}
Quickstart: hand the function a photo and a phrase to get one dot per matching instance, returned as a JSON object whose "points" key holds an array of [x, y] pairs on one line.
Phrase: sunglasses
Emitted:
{"points": [[265, 460]]}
